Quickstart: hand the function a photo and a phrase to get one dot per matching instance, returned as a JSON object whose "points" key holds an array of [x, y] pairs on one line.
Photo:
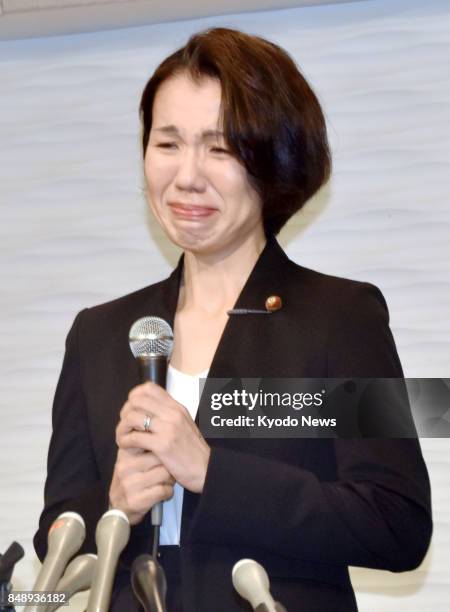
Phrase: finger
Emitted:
{"points": [[130, 462], [147, 389], [141, 481], [140, 403], [129, 452], [145, 499], [139, 501], [140, 395], [170, 412], [130, 433], [154, 399], [173, 423], [136, 439], [134, 420], [163, 439]]}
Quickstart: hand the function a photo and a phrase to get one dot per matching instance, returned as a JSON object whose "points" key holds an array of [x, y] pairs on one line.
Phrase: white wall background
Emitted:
{"points": [[74, 229]]}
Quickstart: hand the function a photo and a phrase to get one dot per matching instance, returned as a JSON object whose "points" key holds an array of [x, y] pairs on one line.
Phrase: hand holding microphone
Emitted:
{"points": [[140, 481], [174, 437], [158, 440]]}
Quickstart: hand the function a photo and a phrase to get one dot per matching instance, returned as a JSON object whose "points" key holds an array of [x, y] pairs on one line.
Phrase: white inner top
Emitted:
{"points": [[185, 389]]}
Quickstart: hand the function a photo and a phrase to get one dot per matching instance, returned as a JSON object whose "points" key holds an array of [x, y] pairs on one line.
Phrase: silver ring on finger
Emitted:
{"points": [[147, 423]]}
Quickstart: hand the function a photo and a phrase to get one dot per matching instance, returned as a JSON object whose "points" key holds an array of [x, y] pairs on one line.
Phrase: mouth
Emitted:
{"points": [[191, 211]]}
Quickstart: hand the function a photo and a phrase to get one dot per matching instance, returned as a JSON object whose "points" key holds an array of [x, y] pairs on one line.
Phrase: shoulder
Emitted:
{"points": [[350, 318], [111, 321], [127, 303], [335, 296]]}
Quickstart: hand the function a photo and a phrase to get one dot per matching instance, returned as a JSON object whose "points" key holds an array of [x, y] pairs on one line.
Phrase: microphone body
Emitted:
{"points": [[154, 369], [264, 608], [151, 342], [76, 578], [111, 536], [149, 583], [65, 537], [251, 581]]}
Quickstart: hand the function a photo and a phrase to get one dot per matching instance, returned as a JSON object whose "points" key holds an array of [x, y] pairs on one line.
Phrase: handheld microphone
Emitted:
{"points": [[76, 578], [111, 536], [149, 583], [65, 537], [251, 581], [151, 342]]}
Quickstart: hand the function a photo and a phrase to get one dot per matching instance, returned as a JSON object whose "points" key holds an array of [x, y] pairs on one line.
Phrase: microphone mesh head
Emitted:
{"points": [[151, 337]]}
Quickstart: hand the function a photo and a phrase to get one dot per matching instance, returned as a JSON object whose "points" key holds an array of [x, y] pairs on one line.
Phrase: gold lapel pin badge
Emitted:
{"points": [[272, 304]]}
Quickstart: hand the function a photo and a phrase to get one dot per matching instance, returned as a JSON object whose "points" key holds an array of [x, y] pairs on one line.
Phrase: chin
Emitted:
{"points": [[197, 242]]}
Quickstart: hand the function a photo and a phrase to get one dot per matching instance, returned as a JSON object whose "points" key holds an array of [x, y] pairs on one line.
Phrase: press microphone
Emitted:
{"points": [[65, 537], [251, 581], [149, 583], [8, 560], [111, 536], [151, 342], [76, 578]]}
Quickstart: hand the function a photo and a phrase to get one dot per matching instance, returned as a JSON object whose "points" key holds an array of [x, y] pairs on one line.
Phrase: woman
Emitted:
{"points": [[234, 143]]}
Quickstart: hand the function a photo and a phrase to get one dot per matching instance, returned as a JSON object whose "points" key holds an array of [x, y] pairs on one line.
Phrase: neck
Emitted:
{"points": [[213, 283]]}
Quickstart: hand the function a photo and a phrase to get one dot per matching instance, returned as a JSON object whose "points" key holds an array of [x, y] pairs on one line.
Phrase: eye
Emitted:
{"points": [[166, 145], [219, 150]]}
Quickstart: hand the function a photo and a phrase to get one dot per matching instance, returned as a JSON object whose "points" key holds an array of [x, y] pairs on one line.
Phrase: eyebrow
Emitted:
{"points": [[173, 130]]}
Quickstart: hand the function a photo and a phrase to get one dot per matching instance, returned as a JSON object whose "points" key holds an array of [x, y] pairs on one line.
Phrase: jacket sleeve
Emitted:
{"points": [[377, 513], [73, 481]]}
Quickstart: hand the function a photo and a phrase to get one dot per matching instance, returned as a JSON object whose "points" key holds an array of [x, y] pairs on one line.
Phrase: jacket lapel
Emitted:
{"points": [[244, 349], [241, 330]]}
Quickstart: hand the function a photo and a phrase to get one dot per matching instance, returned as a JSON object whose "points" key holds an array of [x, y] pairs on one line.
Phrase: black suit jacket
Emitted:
{"points": [[306, 509]]}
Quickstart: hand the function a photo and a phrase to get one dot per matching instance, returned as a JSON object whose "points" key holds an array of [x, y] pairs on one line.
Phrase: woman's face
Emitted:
{"points": [[198, 191]]}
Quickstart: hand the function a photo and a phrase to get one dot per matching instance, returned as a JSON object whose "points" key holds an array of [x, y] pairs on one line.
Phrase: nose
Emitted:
{"points": [[190, 176]]}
